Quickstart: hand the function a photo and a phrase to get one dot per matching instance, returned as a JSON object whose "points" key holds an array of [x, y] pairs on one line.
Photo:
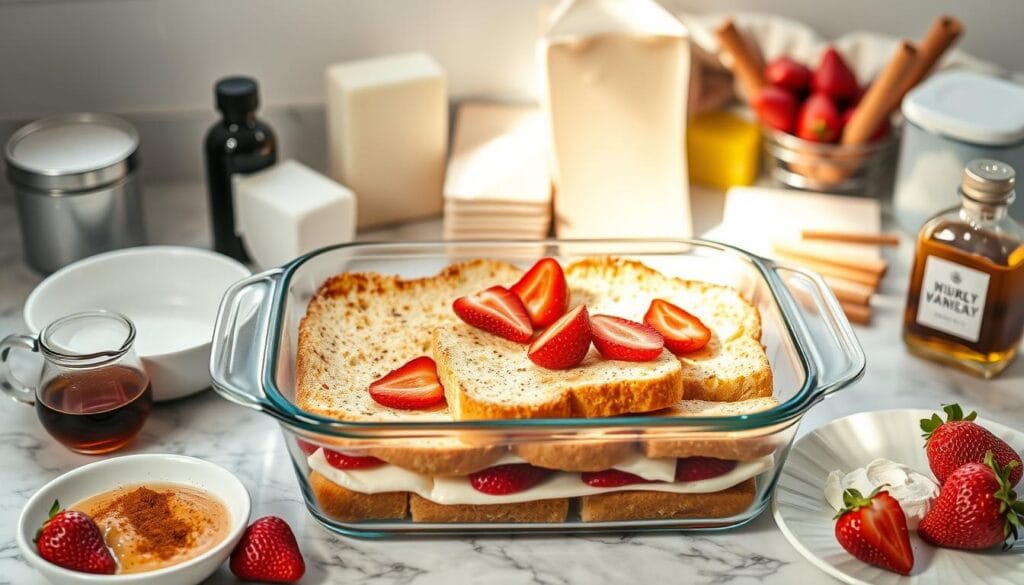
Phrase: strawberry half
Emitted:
{"points": [[71, 539], [874, 529], [496, 310], [339, 460], [622, 339], [788, 74], [683, 332], [611, 478], [411, 387], [959, 440], [268, 552], [506, 479], [698, 468], [544, 292], [976, 508], [564, 344], [306, 447]]}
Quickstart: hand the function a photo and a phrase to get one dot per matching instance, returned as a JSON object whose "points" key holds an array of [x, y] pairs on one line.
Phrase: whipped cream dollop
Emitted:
{"points": [[913, 491]]}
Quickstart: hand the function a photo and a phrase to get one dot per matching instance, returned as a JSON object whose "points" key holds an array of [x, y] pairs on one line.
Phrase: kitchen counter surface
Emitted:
{"points": [[251, 446]]}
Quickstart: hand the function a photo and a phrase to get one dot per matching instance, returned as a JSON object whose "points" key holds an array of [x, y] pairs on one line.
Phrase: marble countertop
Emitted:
{"points": [[251, 446]]}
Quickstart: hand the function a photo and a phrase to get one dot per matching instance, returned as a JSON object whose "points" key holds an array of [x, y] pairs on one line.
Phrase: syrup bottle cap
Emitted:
{"points": [[987, 180]]}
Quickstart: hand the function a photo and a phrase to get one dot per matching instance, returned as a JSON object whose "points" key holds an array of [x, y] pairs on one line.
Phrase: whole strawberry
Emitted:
{"points": [[976, 508], [960, 440], [268, 552], [874, 529], [72, 540]]}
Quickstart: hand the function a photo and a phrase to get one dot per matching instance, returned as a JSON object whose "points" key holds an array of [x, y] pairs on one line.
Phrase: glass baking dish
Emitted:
{"points": [[809, 345]]}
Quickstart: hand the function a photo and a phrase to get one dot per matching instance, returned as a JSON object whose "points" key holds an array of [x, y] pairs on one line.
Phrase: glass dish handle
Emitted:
{"points": [[240, 341], [838, 356]]}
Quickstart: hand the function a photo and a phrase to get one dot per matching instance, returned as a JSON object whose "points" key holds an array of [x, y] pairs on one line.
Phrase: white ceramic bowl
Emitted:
{"points": [[102, 476], [171, 293]]}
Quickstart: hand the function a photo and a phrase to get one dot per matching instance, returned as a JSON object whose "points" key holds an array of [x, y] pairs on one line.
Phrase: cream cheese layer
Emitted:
{"points": [[560, 484]]}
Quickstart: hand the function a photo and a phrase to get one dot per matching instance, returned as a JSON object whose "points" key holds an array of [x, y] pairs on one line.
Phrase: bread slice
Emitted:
{"points": [[738, 446], [644, 505], [424, 510], [345, 505], [733, 366], [593, 454], [486, 377]]}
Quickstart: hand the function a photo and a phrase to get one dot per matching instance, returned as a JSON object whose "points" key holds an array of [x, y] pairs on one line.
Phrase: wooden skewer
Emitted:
{"points": [[828, 269], [876, 267], [745, 64], [851, 237]]}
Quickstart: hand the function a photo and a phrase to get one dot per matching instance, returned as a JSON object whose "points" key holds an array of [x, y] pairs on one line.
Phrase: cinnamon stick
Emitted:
{"points": [[745, 64], [945, 30], [828, 269], [858, 314], [881, 96], [851, 237], [849, 291], [874, 266]]}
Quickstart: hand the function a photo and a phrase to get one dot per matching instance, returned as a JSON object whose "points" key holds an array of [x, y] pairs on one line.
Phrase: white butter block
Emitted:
{"points": [[288, 210], [387, 135], [499, 153]]}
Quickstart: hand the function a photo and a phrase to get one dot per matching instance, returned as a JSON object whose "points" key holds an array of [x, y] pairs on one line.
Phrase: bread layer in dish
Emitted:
{"points": [[343, 493], [360, 326]]}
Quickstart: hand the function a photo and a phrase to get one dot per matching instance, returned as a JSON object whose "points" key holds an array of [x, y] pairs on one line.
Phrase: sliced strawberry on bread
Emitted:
{"points": [[510, 478], [345, 461], [413, 386], [496, 310], [611, 478], [683, 332], [621, 339], [544, 292], [564, 344]]}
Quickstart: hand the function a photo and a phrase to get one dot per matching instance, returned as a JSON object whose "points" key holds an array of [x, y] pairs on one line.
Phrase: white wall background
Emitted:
{"points": [[154, 61]]}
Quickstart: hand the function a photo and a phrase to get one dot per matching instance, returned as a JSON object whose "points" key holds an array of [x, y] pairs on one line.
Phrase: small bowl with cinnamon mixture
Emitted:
{"points": [[166, 518]]}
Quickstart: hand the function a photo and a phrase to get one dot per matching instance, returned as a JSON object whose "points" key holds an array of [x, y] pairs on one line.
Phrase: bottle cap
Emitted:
{"points": [[988, 181], [237, 96]]}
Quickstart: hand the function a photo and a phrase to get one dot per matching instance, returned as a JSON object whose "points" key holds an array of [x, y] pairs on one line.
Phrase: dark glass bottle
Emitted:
{"points": [[239, 143]]}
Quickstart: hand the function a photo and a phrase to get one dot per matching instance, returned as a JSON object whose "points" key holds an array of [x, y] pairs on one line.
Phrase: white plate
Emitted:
{"points": [[805, 518]]}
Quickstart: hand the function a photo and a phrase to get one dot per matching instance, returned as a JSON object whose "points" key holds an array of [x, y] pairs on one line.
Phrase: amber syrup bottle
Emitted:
{"points": [[965, 306]]}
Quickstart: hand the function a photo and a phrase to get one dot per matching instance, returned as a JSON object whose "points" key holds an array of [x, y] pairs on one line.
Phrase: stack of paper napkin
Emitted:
{"points": [[498, 185]]}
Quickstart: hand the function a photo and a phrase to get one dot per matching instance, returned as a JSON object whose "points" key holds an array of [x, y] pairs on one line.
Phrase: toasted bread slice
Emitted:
{"points": [[733, 366], [739, 445], [486, 377], [644, 505], [346, 505], [360, 326], [554, 510]]}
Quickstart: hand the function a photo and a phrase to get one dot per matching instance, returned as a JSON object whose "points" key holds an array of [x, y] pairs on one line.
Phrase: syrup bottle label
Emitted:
{"points": [[952, 298]]}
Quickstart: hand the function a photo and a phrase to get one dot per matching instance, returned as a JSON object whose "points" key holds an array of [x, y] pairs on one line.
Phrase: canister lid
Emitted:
{"points": [[969, 107], [72, 152]]}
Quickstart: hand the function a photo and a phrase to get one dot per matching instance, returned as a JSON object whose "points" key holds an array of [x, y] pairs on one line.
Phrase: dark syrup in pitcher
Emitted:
{"points": [[95, 411]]}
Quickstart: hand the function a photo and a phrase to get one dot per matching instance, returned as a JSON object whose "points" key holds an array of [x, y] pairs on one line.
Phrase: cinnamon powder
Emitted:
{"points": [[149, 512]]}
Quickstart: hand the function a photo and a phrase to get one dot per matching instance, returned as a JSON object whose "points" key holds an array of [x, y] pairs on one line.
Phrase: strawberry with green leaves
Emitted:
{"points": [[874, 529], [976, 508], [71, 539], [959, 440]]}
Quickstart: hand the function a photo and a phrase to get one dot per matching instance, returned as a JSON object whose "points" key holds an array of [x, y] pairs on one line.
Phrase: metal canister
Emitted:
{"points": [[76, 187]]}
